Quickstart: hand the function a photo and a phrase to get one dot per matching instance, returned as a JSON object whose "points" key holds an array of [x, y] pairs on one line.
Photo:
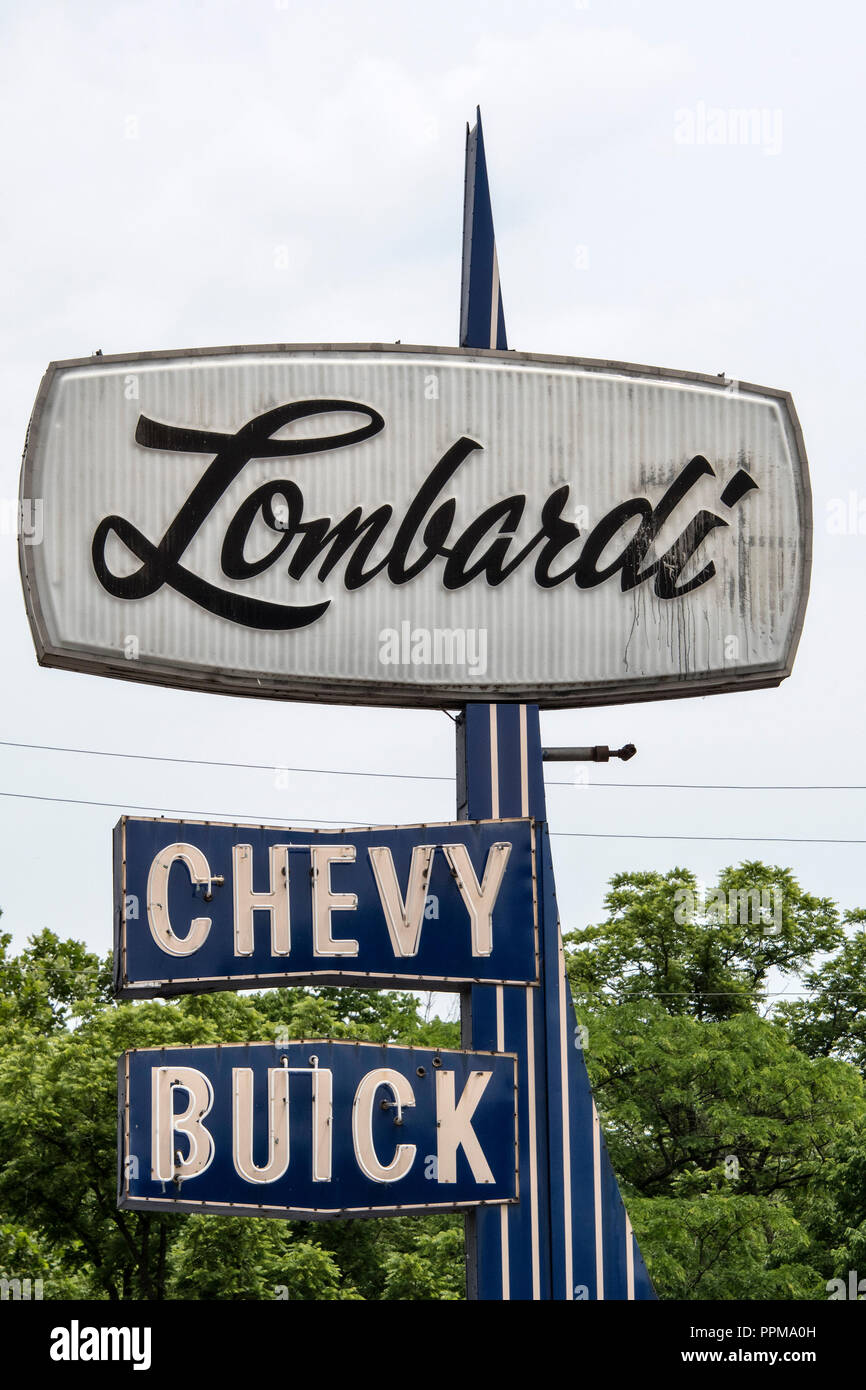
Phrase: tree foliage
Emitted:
{"points": [[666, 939], [728, 1121]]}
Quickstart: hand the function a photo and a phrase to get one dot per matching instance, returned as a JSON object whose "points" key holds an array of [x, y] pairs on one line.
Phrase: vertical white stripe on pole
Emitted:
{"points": [[503, 1210], [533, 1147], [500, 1000], [564, 1042], [596, 1185], [494, 765]]}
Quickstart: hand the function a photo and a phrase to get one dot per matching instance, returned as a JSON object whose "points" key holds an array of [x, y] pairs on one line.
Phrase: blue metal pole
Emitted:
{"points": [[569, 1236]]}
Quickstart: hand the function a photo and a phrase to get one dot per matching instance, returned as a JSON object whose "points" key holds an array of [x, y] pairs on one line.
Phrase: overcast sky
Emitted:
{"points": [[196, 174]]}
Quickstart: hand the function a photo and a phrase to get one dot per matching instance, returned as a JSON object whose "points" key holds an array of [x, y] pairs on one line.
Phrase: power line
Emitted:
{"points": [[434, 776], [232, 818], [728, 786], [235, 817], [745, 839], [720, 993], [209, 762]]}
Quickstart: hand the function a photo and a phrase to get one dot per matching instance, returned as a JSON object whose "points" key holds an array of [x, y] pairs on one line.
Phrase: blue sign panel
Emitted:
{"points": [[202, 906], [315, 1129]]}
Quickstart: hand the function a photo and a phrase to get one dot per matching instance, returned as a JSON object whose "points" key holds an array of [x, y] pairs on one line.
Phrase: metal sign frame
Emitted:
{"points": [[413, 694], [340, 972], [301, 1051]]}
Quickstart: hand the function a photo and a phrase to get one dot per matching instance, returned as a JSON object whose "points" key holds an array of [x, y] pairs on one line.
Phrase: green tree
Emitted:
{"points": [[663, 939], [724, 1134], [432, 1270], [830, 1019], [51, 983], [725, 1246], [236, 1258], [683, 1097]]}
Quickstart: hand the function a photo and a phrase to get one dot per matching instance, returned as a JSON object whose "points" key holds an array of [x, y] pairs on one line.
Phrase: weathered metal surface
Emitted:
{"points": [[205, 906], [315, 1129], [511, 526]]}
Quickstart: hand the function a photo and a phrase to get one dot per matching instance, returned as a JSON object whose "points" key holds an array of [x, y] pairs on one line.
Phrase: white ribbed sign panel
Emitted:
{"points": [[414, 526]]}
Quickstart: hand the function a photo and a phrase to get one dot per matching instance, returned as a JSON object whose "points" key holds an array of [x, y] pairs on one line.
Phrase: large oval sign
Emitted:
{"points": [[414, 526]]}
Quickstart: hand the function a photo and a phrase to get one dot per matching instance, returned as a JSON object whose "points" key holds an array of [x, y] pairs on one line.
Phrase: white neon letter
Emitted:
{"points": [[479, 898], [362, 1125], [404, 919], [278, 1125], [454, 1126], [325, 901], [157, 899], [275, 901], [323, 1128], [164, 1163]]}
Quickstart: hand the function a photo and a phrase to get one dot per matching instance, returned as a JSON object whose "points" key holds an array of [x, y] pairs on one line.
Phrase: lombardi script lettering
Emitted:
{"points": [[471, 548]]}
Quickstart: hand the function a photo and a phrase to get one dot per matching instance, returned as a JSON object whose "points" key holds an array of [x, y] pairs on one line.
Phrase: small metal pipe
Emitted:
{"points": [[599, 754]]}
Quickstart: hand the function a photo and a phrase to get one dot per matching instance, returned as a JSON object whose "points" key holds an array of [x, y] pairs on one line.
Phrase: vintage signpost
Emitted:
{"points": [[424, 527]]}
